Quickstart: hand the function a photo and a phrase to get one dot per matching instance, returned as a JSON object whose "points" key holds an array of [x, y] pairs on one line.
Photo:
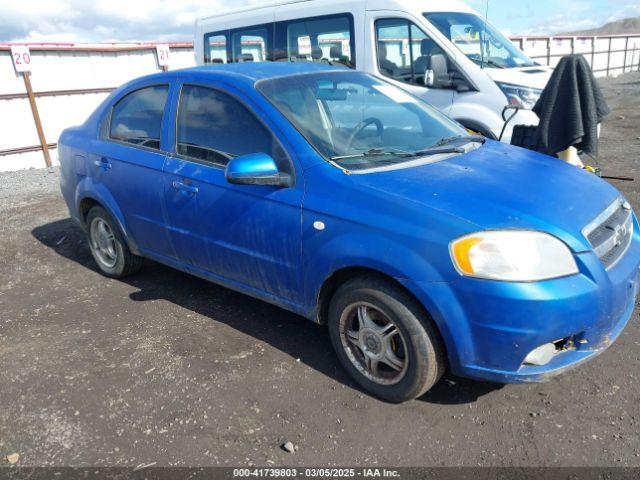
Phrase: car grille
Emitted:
{"points": [[610, 233]]}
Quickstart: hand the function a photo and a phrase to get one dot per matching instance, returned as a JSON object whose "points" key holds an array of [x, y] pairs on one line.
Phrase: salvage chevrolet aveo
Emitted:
{"points": [[344, 199]]}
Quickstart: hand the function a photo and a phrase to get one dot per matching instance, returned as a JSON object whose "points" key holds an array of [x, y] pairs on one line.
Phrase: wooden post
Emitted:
{"points": [[36, 117]]}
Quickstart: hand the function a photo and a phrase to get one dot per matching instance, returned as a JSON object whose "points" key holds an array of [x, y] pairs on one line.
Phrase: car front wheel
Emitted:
{"points": [[108, 247], [385, 340]]}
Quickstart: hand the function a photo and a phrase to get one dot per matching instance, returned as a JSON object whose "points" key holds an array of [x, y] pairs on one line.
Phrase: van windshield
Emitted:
{"points": [[361, 122], [488, 48]]}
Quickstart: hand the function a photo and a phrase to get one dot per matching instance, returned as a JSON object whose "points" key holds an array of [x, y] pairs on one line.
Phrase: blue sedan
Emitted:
{"points": [[340, 197]]}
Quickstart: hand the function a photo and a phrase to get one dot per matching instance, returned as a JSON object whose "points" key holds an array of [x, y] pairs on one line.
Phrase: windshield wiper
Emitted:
{"points": [[402, 154], [374, 152], [465, 138], [435, 151], [493, 63]]}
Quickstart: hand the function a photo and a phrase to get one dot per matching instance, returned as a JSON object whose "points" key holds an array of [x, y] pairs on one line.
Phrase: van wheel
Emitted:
{"points": [[108, 247], [384, 340]]}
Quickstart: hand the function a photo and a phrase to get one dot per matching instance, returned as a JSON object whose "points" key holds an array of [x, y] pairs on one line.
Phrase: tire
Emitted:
{"points": [[108, 247], [416, 347]]}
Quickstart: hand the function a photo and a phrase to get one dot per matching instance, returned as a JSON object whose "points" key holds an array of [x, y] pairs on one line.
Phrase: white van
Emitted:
{"points": [[439, 50]]}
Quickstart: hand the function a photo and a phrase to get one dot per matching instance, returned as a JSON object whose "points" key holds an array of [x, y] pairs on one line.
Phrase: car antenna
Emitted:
{"points": [[484, 34]]}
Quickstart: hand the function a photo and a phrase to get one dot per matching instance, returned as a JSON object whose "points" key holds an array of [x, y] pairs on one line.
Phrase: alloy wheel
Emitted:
{"points": [[374, 344], [103, 243]]}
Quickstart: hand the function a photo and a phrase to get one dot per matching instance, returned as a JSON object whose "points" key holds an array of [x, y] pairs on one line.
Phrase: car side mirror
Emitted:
{"points": [[256, 169], [437, 76]]}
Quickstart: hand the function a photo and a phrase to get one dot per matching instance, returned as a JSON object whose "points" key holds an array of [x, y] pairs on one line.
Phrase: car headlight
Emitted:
{"points": [[512, 256], [518, 96]]}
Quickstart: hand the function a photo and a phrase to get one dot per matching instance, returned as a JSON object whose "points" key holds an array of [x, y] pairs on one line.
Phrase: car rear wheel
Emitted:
{"points": [[108, 247], [385, 340]]}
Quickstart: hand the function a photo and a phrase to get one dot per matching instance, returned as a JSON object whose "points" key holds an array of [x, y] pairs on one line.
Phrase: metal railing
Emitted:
{"points": [[627, 66]]}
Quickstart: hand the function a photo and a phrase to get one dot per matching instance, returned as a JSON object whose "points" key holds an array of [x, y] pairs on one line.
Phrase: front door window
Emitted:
{"points": [[408, 55]]}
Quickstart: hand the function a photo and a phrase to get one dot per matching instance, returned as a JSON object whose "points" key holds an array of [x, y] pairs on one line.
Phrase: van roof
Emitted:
{"points": [[406, 5]]}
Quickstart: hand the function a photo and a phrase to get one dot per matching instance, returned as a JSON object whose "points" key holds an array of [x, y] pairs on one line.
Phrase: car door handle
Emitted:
{"points": [[103, 163], [184, 187]]}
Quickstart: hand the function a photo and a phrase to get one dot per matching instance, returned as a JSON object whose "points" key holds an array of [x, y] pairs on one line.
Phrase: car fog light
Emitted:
{"points": [[541, 355]]}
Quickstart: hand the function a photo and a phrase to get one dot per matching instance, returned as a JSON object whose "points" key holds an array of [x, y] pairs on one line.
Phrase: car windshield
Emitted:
{"points": [[359, 121], [478, 40]]}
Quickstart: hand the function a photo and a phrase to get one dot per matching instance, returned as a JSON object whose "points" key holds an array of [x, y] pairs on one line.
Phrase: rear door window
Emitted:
{"points": [[137, 118]]}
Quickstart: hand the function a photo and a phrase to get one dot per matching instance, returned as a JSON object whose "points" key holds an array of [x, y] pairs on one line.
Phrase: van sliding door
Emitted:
{"points": [[245, 36], [317, 34]]}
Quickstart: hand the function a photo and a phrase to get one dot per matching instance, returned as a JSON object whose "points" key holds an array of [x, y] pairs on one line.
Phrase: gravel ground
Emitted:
{"points": [[19, 188], [170, 369]]}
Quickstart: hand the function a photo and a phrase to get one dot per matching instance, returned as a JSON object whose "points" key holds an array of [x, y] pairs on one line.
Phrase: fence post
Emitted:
{"points": [[609, 55], [593, 52], [36, 118], [549, 41], [573, 45], [626, 49]]}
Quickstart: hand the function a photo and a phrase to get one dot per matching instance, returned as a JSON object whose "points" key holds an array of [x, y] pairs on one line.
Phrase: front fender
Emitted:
{"points": [[407, 266], [88, 189], [393, 259]]}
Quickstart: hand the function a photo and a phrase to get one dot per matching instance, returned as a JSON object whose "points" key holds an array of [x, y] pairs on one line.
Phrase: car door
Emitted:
{"points": [[401, 53], [128, 162], [247, 235]]}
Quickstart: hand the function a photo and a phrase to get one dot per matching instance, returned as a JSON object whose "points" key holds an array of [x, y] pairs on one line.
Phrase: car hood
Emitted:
{"points": [[500, 186], [534, 77]]}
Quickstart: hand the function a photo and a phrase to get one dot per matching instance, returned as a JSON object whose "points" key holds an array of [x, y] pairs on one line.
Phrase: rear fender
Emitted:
{"points": [[87, 188]]}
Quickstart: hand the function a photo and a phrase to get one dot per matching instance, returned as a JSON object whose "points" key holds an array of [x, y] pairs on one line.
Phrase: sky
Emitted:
{"points": [[172, 20]]}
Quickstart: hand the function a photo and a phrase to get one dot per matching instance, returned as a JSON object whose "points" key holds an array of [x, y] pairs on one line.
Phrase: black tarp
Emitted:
{"points": [[570, 109]]}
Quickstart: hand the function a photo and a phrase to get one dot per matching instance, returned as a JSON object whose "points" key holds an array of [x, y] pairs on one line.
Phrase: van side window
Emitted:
{"points": [[318, 39], [407, 54], [215, 48], [250, 44], [214, 127], [137, 118]]}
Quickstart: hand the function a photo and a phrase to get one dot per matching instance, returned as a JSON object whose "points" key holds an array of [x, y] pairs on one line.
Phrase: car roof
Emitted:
{"points": [[247, 72]]}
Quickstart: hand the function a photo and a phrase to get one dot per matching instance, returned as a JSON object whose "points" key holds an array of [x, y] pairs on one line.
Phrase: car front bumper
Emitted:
{"points": [[490, 327]]}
